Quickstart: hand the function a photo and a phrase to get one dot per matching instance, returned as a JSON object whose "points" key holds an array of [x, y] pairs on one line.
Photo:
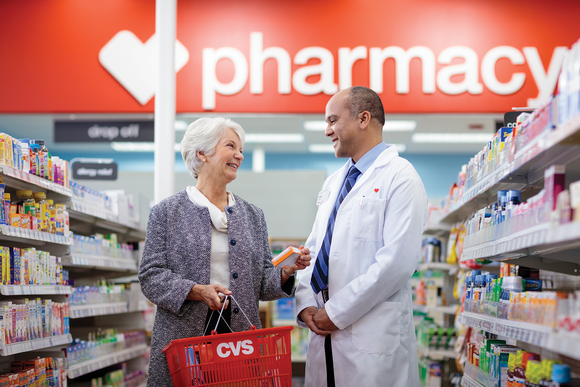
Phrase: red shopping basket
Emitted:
{"points": [[254, 358]]}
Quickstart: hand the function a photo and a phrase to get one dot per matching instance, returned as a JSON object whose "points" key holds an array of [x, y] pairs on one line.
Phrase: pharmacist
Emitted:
{"points": [[356, 297]]}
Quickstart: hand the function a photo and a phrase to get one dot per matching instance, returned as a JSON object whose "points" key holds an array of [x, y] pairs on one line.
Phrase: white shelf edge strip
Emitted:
{"points": [[16, 290], [105, 361], [30, 345], [35, 235], [97, 260], [80, 311], [566, 344], [35, 180], [532, 237]]}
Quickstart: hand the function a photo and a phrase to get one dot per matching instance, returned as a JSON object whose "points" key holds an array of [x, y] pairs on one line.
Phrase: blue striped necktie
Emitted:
{"points": [[319, 279]]}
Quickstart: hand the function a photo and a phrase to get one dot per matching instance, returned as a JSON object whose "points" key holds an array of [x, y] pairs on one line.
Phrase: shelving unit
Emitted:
{"points": [[21, 290], [554, 147], [31, 345], [475, 377], [544, 246], [451, 309], [84, 267], [436, 354], [568, 345], [99, 363], [100, 262], [81, 311]]}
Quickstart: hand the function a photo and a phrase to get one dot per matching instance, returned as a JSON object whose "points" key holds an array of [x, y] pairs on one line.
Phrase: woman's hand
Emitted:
{"points": [[210, 294]]}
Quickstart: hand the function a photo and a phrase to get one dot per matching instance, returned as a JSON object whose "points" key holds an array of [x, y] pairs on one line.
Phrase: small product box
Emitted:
{"points": [[286, 257], [554, 183]]}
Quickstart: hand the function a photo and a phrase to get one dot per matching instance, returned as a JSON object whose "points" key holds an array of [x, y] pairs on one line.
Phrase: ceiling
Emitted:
{"points": [[41, 126]]}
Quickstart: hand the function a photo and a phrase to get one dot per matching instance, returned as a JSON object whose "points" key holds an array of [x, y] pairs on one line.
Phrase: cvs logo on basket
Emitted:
{"points": [[245, 347]]}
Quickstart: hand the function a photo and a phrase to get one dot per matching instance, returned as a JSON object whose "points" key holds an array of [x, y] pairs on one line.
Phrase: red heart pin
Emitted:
{"points": [[376, 190]]}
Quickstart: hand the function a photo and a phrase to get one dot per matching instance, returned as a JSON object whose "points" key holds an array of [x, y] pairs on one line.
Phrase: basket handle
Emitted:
{"points": [[214, 331]]}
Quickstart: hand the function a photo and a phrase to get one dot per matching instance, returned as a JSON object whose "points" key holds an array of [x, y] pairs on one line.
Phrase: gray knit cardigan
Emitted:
{"points": [[176, 256]]}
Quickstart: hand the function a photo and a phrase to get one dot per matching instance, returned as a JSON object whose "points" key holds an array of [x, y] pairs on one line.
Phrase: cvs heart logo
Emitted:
{"points": [[134, 64], [224, 350]]}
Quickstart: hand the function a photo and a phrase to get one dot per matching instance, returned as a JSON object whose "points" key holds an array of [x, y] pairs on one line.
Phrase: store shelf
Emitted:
{"points": [[298, 358], [81, 311], [527, 168], [100, 262], [283, 323], [31, 236], [565, 344], [20, 180], [103, 219], [437, 266], [17, 290], [542, 247], [105, 361], [475, 377], [436, 354], [452, 309], [30, 345]]}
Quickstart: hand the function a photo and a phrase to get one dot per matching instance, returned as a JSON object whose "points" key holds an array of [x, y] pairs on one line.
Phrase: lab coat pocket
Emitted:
{"points": [[368, 219], [379, 331]]}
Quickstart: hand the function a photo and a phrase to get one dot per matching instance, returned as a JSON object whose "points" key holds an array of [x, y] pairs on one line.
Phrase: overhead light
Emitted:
{"points": [[315, 125], [399, 126], [139, 146], [452, 138], [180, 125], [400, 148], [270, 138], [329, 148]]}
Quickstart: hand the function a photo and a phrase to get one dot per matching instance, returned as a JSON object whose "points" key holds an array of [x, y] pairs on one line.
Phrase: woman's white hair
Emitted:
{"points": [[202, 135]]}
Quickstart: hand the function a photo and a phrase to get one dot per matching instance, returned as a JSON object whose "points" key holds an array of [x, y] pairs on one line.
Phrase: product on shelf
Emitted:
{"points": [[32, 156], [36, 372], [24, 319], [102, 294], [431, 250], [101, 343], [32, 211], [31, 267], [520, 294], [120, 378], [102, 245]]}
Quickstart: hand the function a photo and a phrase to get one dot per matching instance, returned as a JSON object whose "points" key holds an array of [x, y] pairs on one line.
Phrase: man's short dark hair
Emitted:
{"points": [[362, 99]]}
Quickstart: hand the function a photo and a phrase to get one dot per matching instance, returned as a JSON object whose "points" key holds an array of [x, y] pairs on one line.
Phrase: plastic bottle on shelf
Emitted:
{"points": [[547, 365], [7, 209], [25, 157], [34, 169], [533, 373], [561, 375], [42, 158], [40, 198], [52, 217]]}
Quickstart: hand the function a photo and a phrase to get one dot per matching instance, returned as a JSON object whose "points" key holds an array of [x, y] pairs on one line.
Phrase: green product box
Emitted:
{"points": [[501, 355]]}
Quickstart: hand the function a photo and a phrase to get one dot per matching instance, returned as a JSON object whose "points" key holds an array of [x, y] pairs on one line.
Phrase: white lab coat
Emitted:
{"points": [[376, 246]]}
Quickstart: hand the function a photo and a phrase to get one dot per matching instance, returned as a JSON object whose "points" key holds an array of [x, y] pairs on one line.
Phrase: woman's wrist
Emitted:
{"points": [[289, 274]]}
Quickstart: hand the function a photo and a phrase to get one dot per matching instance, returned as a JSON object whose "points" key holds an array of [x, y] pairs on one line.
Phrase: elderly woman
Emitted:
{"points": [[205, 242]]}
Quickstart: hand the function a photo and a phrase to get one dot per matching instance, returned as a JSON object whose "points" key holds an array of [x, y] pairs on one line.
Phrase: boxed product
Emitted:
{"points": [[287, 257]]}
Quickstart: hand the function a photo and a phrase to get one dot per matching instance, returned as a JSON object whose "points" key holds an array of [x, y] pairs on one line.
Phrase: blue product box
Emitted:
{"points": [[285, 309]]}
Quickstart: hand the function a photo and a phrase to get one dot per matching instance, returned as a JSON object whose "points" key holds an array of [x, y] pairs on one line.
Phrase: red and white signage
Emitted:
{"points": [[235, 350], [421, 56]]}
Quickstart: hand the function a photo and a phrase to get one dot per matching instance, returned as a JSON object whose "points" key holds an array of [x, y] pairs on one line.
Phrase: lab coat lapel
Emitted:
{"points": [[386, 156]]}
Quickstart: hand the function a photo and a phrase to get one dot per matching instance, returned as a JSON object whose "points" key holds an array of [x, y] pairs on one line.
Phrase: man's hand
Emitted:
{"points": [[307, 315], [323, 322], [209, 294]]}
